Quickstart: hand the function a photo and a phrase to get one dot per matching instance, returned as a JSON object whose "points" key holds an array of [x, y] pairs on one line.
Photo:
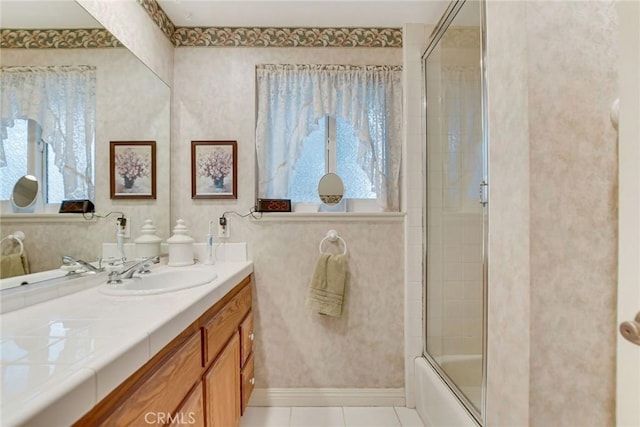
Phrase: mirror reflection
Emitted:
{"points": [[25, 193], [131, 104], [330, 189]]}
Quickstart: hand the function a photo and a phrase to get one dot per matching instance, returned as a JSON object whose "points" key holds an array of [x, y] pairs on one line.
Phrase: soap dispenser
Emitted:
{"points": [[180, 246], [148, 244]]}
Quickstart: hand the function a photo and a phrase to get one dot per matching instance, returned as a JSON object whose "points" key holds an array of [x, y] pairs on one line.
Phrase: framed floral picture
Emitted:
{"points": [[214, 170], [132, 166]]}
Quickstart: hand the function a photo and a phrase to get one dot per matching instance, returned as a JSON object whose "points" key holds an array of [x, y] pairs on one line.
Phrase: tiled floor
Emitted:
{"points": [[330, 417]]}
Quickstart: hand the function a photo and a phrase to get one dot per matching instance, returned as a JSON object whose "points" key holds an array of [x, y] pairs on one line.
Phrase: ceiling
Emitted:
{"points": [[237, 13], [41, 14], [302, 13]]}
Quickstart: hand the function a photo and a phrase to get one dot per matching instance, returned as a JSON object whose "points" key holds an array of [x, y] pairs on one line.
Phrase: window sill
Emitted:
{"points": [[14, 218], [330, 216]]}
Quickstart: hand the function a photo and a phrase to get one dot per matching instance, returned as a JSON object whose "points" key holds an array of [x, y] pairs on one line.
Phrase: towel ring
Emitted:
{"points": [[18, 236], [332, 236]]}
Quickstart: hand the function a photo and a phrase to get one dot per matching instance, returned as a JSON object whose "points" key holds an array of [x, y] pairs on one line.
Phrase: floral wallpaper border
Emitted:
{"points": [[287, 37], [159, 17], [205, 36], [270, 37], [57, 38]]}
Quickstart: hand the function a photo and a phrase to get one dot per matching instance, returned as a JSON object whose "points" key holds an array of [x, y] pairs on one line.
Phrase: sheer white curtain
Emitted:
{"points": [[291, 99], [462, 104], [61, 99]]}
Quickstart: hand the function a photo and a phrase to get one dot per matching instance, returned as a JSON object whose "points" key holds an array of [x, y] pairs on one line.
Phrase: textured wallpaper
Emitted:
{"points": [[214, 99], [572, 83], [132, 105], [509, 280]]}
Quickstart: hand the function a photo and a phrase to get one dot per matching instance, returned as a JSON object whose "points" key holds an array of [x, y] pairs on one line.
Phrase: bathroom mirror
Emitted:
{"points": [[132, 104], [25, 194], [330, 189]]}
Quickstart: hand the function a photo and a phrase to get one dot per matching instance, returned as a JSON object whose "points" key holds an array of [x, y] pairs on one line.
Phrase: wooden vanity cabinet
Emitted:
{"points": [[203, 377]]}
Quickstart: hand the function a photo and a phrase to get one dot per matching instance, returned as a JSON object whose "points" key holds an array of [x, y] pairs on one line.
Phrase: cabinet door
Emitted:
{"points": [[220, 328], [246, 338], [248, 382], [222, 387], [159, 394], [192, 410]]}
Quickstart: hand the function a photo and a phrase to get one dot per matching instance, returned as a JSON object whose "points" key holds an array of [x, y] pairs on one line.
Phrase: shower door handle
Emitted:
{"points": [[630, 330], [484, 194]]}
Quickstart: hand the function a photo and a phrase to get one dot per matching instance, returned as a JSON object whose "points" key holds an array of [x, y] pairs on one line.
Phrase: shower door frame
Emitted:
{"points": [[438, 32]]}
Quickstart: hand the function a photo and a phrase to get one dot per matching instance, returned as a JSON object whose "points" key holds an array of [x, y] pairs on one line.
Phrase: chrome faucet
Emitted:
{"points": [[71, 262], [140, 267]]}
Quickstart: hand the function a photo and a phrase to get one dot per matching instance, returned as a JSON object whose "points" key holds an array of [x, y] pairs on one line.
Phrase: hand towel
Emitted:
{"points": [[326, 290], [13, 265]]}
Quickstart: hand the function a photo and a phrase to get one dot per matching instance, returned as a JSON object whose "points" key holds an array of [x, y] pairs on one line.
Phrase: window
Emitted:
{"points": [[48, 130], [26, 153], [333, 147], [315, 119]]}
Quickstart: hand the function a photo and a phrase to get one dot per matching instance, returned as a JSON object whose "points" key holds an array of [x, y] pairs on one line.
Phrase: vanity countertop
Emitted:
{"points": [[60, 357]]}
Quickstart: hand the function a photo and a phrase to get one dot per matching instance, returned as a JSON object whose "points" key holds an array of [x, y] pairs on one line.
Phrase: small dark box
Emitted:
{"points": [[77, 206], [274, 205]]}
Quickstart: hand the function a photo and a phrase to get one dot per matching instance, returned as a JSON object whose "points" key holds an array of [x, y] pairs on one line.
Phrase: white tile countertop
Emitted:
{"points": [[60, 357]]}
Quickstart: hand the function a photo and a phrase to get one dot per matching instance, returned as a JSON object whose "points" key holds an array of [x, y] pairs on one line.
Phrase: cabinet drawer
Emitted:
{"points": [[225, 322], [246, 338], [191, 412], [181, 370], [248, 382]]}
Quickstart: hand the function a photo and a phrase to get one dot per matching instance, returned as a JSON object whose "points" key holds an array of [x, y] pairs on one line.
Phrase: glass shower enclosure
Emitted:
{"points": [[456, 203]]}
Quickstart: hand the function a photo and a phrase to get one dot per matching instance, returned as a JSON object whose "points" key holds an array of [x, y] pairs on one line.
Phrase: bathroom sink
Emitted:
{"points": [[167, 279]]}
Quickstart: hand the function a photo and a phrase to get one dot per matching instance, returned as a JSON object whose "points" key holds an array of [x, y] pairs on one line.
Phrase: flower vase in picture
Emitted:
{"points": [[216, 163], [132, 169], [214, 169], [131, 165], [218, 182]]}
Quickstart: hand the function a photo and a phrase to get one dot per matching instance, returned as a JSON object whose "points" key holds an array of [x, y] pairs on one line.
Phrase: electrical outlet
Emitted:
{"points": [[127, 227], [223, 230]]}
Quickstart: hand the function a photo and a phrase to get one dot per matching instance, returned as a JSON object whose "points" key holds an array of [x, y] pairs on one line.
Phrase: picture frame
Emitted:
{"points": [[132, 169], [214, 170]]}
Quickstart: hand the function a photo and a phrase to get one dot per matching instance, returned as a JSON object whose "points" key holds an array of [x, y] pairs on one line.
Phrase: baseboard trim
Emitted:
{"points": [[327, 397]]}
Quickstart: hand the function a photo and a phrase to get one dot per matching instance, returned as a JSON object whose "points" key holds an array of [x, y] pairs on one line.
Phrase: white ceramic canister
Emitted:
{"points": [[148, 244], [180, 246]]}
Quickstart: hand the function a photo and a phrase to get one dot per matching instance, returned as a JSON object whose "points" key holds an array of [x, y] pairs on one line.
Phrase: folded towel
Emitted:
{"points": [[13, 265], [326, 290]]}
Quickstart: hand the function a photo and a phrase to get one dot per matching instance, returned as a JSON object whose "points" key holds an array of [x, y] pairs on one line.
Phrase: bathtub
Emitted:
{"points": [[437, 405]]}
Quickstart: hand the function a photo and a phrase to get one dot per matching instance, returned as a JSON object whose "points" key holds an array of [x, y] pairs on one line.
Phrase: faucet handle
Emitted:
{"points": [[114, 273], [111, 267], [145, 263]]}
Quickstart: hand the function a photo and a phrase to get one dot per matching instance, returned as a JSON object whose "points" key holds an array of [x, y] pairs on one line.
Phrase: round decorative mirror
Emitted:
{"points": [[330, 189], [25, 194]]}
